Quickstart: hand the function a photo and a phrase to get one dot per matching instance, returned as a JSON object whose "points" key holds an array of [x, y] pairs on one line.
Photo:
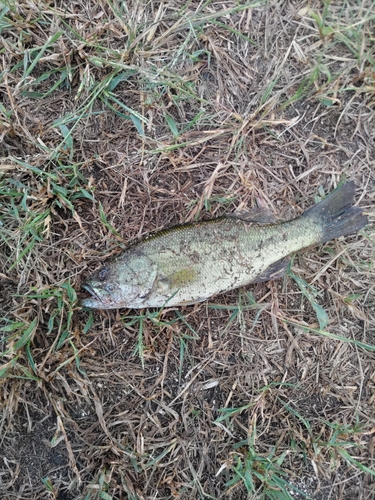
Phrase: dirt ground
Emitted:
{"points": [[121, 118]]}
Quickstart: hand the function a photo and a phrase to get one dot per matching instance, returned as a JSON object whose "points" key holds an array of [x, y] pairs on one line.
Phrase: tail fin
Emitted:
{"points": [[336, 214]]}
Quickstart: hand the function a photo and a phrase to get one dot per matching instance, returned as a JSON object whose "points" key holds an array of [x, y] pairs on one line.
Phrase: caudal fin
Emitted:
{"points": [[336, 214]]}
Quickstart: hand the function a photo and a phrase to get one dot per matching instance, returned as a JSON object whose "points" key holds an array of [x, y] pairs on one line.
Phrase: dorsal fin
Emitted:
{"points": [[259, 215]]}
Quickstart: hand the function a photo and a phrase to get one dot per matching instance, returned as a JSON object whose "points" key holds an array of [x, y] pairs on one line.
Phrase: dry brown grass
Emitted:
{"points": [[117, 118]]}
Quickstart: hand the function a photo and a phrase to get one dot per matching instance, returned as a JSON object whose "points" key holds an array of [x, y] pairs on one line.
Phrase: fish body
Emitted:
{"points": [[190, 263]]}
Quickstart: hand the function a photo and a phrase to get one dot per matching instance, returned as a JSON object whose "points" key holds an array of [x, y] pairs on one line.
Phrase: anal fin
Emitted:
{"points": [[274, 271]]}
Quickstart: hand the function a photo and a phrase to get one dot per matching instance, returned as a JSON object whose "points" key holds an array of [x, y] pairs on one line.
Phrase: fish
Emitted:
{"points": [[190, 263]]}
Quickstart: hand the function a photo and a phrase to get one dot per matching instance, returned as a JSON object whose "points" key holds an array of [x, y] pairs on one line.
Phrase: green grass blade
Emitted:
{"points": [[172, 125], [26, 336], [49, 42]]}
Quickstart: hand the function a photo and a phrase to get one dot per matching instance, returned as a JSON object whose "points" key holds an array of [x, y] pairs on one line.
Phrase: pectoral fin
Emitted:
{"points": [[176, 280], [182, 277]]}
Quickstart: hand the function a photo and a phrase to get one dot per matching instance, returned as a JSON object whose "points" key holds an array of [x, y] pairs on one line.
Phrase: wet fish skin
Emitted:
{"points": [[192, 262]]}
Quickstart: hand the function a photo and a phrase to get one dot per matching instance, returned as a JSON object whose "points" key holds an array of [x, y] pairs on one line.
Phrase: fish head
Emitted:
{"points": [[105, 289], [121, 283]]}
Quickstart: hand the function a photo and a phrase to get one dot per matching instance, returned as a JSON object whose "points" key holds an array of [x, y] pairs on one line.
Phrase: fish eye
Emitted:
{"points": [[103, 274]]}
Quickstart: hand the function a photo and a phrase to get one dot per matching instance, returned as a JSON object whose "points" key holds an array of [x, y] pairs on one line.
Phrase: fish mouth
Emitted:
{"points": [[89, 289]]}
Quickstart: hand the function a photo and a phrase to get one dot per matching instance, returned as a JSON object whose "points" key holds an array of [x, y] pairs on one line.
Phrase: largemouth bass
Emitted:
{"points": [[190, 263]]}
